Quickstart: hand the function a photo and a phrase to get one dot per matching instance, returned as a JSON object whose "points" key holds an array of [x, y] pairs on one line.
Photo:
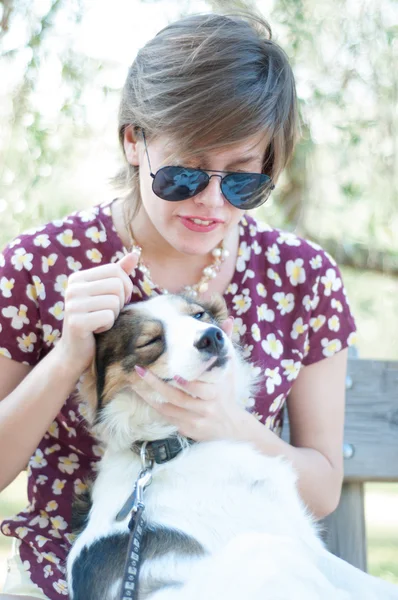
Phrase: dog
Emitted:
{"points": [[222, 521]]}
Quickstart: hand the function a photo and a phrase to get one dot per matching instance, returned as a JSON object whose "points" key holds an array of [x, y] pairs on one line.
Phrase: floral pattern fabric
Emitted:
{"points": [[290, 310]]}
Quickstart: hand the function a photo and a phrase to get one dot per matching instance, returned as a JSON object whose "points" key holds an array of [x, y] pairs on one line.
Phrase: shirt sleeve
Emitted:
{"points": [[20, 326], [331, 324]]}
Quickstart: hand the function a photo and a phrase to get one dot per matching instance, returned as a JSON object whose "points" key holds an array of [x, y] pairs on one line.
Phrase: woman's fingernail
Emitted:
{"points": [[180, 380], [140, 370]]}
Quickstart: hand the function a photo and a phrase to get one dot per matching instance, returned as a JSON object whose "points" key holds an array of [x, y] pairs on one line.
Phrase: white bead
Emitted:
{"points": [[225, 253], [208, 271], [216, 252], [143, 269]]}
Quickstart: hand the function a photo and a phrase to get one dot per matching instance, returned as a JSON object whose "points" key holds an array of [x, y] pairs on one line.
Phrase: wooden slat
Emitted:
{"points": [[371, 428], [345, 534]]}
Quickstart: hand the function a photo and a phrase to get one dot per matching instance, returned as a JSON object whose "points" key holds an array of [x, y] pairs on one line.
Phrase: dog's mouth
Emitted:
{"points": [[214, 362]]}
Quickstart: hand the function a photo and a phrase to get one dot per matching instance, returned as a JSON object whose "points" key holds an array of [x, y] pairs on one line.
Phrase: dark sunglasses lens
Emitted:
{"points": [[177, 183], [246, 190]]}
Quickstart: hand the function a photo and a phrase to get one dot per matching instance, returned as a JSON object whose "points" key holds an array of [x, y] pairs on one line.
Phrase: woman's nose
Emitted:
{"points": [[212, 195]]}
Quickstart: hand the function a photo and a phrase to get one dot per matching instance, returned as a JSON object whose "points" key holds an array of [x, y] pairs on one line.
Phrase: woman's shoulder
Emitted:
{"points": [[81, 239], [283, 251]]}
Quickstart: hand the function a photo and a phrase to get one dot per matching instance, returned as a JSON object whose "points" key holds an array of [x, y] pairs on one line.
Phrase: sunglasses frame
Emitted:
{"points": [[270, 185]]}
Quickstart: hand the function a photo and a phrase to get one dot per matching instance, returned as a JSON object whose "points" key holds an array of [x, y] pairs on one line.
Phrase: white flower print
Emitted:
{"points": [[17, 315], [66, 239], [272, 346], [285, 302], [247, 403], [41, 540], [58, 523], [292, 369], [61, 587], [57, 310], [298, 328], [239, 328], [262, 226], [79, 486], [73, 265], [42, 479], [117, 256], [5, 352], [337, 305], [275, 277], [52, 449], [53, 430], [288, 238], [256, 247], [94, 255], [51, 506], [58, 486], [68, 464], [317, 322], [295, 271], [232, 288], [331, 282], [22, 531], [22, 259], [334, 323], [42, 240], [255, 329], [41, 520], [247, 351], [242, 302], [353, 339], [48, 261], [48, 571], [36, 289], [87, 215], [2, 260], [265, 314], [273, 379], [96, 235], [61, 284], [261, 291], [273, 254], [307, 303], [6, 286], [15, 242], [249, 274], [330, 347], [50, 335], [277, 403], [316, 261], [243, 257], [38, 461], [26, 342]]}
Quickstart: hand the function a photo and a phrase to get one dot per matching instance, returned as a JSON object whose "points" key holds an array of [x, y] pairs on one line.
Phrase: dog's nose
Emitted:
{"points": [[211, 341]]}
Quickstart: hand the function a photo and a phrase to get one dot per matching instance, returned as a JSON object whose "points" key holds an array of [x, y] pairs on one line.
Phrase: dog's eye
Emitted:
{"points": [[199, 315], [154, 340]]}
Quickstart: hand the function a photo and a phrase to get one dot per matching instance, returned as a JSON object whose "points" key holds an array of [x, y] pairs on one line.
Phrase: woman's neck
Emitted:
{"points": [[169, 268]]}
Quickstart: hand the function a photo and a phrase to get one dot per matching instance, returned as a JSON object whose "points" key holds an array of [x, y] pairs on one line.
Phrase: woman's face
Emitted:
{"points": [[175, 221]]}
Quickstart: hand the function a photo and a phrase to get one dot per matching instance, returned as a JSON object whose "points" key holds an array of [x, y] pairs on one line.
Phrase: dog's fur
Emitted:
{"points": [[222, 520]]}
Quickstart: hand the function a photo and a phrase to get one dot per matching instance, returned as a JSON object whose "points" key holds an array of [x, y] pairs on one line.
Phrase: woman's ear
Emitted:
{"points": [[131, 146]]}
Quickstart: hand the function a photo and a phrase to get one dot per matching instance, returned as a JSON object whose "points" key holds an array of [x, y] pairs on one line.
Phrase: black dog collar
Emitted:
{"points": [[161, 451]]}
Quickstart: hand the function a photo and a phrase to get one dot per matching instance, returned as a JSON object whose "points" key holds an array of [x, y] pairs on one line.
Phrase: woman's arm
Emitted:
{"points": [[316, 414]]}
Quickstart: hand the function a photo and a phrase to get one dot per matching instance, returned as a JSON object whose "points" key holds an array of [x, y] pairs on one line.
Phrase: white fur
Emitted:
{"points": [[241, 506]]}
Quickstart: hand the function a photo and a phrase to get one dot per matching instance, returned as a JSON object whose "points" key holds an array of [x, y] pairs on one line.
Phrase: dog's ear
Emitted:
{"points": [[217, 308]]}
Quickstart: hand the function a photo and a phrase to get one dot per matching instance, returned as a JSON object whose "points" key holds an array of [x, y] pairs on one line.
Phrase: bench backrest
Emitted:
{"points": [[370, 451]]}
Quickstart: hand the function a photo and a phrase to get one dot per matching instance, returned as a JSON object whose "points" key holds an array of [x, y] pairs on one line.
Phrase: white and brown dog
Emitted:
{"points": [[223, 522]]}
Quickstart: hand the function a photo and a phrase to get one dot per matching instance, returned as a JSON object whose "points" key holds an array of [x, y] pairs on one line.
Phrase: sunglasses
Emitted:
{"points": [[242, 190]]}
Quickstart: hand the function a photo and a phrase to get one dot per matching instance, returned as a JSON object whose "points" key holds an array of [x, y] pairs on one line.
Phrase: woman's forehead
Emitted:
{"points": [[247, 150]]}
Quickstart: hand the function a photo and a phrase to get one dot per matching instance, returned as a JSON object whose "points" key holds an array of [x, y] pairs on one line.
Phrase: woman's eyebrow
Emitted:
{"points": [[204, 161]]}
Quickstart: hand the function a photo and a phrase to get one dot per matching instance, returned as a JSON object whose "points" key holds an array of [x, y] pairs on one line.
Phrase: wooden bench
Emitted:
{"points": [[370, 452]]}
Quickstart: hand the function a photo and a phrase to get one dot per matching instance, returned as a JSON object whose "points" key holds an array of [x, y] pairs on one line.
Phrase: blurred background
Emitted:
{"points": [[62, 65]]}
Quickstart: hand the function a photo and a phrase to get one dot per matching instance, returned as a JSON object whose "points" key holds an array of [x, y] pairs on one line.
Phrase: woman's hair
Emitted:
{"points": [[208, 81]]}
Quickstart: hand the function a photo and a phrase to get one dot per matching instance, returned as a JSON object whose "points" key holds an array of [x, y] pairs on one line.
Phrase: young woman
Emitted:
{"points": [[207, 123]]}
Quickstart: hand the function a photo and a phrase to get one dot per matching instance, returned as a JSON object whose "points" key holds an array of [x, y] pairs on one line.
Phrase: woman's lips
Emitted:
{"points": [[200, 225]]}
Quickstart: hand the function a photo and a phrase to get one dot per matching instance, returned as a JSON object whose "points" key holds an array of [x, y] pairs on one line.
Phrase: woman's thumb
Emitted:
{"points": [[129, 262]]}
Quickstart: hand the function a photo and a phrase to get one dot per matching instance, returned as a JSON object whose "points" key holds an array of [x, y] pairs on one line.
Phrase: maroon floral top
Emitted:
{"points": [[290, 310]]}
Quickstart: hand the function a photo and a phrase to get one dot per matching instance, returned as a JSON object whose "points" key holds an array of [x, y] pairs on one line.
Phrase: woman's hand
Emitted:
{"points": [[201, 411], [93, 299]]}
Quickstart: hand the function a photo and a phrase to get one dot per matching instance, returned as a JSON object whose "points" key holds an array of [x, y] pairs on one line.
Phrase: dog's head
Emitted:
{"points": [[169, 335]]}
